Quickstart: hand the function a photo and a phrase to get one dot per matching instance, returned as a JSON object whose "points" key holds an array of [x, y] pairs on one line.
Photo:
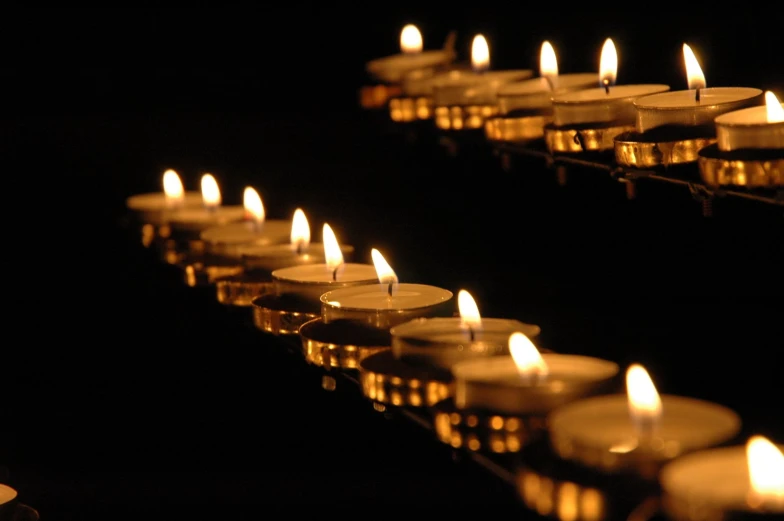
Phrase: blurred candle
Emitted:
{"points": [[392, 69], [212, 213], [752, 128], [153, 208]]}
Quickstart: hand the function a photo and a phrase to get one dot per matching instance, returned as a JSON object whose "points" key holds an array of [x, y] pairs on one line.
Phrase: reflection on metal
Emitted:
{"points": [[404, 110], [236, 290], [633, 153], [199, 275], [560, 499], [578, 140], [516, 128], [749, 170], [460, 117], [389, 381], [273, 316]]}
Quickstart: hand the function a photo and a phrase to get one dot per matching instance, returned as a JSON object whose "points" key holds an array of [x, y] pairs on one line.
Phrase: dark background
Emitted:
{"points": [[129, 395]]}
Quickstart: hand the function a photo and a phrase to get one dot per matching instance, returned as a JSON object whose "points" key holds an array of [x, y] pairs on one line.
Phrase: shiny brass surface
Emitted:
{"points": [[278, 316], [405, 109], [483, 430], [460, 117], [561, 499], [731, 169], [239, 290], [198, 274], [389, 381], [525, 128], [377, 96], [340, 353], [634, 153], [578, 140]]}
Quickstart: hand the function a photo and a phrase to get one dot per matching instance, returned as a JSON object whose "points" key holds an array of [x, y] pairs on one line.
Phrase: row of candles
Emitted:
{"points": [[490, 387], [645, 125]]}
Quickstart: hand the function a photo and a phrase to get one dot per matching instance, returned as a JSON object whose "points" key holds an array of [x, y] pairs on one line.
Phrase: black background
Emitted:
{"points": [[128, 395]]}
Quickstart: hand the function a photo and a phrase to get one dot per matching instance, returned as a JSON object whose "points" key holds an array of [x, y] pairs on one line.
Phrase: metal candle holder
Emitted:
{"points": [[405, 109], [662, 146], [341, 344], [282, 314], [518, 126], [241, 288], [742, 168], [578, 139], [389, 381], [463, 117]]}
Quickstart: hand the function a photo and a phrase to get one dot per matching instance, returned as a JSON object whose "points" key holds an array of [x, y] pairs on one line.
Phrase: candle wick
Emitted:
{"points": [[389, 289], [697, 95], [550, 84], [335, 272], [606, 86], [471, 333], [299, 248]]}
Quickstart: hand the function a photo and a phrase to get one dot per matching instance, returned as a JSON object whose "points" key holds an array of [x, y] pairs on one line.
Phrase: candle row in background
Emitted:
{"points": [[734, 134], [576, 448]]}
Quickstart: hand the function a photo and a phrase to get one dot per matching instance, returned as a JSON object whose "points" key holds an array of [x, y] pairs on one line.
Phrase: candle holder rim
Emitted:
{"points": [[404, 330], [720, 168], [503, 91], [613, 369], [326, 300], [437, 55], [278, 276], [558, 99], [158, 195], [639, 102], [242, 224]]}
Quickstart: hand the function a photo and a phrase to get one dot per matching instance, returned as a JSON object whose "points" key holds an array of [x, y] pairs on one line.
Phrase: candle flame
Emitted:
{"points": [[332, 253], [548, 62], [694, 75], [775, 109], [384, 272], [608, 64], [254, 208], [526, 356], [300, 230], [645, 407], [172, 188], [766, 469], [410, 39], [210, 193], [469, 311], [480, 54]]}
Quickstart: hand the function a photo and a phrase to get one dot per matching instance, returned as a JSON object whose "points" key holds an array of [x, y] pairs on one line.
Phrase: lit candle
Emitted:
{"points": [[386, 304], [695, 107], [313, 280], [726, 483], [537, 94], [442, 342], [153, 208], [391, 69], [526, 382], [752, 128], [7, 497], [192, 221], [639, 430], [608, 104]]}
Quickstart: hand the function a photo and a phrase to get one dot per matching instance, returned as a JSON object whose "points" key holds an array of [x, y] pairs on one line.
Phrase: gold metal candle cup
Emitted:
{"points": [[232, 239], [240, 289], [198, 274], [312, 290], [443, 342], [748, 129], [341, 344], [598, 432], [517, 127], [754, 169], [389, 381], [712, 485], [463, 117], [282, 314], [407, 109], [662, 146], [578, 139]]}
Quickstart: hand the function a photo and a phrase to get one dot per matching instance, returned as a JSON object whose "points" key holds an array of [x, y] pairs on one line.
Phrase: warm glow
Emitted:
{"points": [[608, 64], [254, 208], [384, 271], [210, 193], [410, 39], [300, 230], [766, 469], [172, 188], [469, 311], [332, 253], [480, 54], [645, 407], [775, 110], [526, 356], [548, 63], [694, 73]]}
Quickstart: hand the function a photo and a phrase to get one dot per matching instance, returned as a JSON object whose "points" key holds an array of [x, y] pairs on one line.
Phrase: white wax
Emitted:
{"points": [[391, 69], [421, 83], [476, 89], [537, 93], [716, 480], [603, 426], [278, 256], [7, 494], [312, 281], [599, 106], [748, 128], [682, 108], [226, 239], [198, 219], [152, 208]]}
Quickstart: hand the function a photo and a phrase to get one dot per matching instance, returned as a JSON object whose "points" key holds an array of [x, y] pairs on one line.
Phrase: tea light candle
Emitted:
{"points": [[386, 304], [7, 495], [752, 128], [392, 69], [194, 220], [695, 107], [726, 483], [153, 208], [442, 342], [313, 280], [608, 104], [478, 87], [528, 383], [536, 94], [640, 430]]}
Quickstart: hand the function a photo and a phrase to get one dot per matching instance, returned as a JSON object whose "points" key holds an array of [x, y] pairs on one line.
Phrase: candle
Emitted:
{"points": [[639, 430], [225, 240], [313, 280], [386, 304], [609, 104], [536, 94], [342, 343], [752, 128], [7, 496], [726, 483], [528, 383], [191, 221], [442, 342], [695, 107], [153, 208], [391, 69]]}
